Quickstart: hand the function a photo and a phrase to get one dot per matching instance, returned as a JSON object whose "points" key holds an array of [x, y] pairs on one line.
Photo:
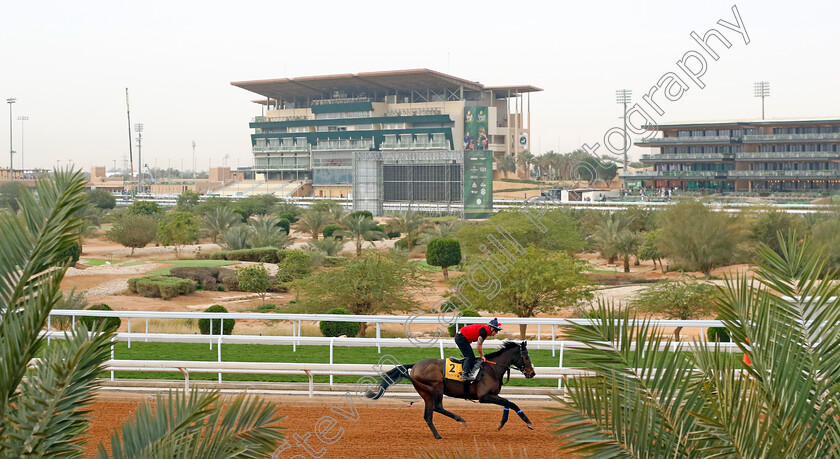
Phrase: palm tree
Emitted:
{"points": [[608, 231], [236, 237], [360, 228], [506, 164], [313, 222], [655, 398], [217, 220], [45, 414], [331, 246], [265, 232], [410, 223], [524, 161], [627, 244], [438, 230]]}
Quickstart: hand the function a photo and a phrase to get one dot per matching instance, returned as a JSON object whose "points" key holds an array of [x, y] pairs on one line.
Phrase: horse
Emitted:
{"points": [[427, 378]]}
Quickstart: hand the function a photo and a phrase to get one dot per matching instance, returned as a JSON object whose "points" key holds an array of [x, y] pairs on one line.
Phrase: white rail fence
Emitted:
{"points": [[332, 368]]}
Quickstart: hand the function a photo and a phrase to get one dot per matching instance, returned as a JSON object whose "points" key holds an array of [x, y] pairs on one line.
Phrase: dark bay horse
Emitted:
{"points": [[427, 377]]}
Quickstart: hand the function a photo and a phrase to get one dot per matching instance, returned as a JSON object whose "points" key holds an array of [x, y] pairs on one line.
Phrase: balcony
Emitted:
{"points": [[675, 174], [688, 157], [702, 140], [788, 155], [797, 174], [279, 148], [415, 145], [282, 167], [345, 144], [787, 138], [272, 119]]}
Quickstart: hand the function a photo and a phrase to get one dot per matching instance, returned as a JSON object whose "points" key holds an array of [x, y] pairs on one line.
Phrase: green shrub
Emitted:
{"points": [[297, 264], [207, 278], [72, 254], [720, 334], [111, 323], [285, 224], [330, 229], [464, 313], [403, 243], [161, 286], [340, 328], [393, 234], [363, 213], [260, 255], [204, 324], [443, 252], [227, 277]]}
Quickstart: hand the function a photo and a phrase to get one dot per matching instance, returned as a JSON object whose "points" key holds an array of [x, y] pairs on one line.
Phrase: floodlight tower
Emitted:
{"points": [[138, 128], [762, 89], [193, 166], [623, 97], [22, 119], [10, 101]]}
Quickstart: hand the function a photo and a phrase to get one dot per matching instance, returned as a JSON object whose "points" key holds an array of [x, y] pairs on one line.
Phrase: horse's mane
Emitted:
{"points": [[505, 346]]}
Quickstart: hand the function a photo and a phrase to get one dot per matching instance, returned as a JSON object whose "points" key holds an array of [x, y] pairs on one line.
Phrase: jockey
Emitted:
{"points": [[472, 334]]}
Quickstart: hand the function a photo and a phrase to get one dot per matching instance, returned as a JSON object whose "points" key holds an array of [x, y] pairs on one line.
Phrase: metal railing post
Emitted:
{"points": [[552, 340], [147, 330], [378, 338], [560, 379], [211, 334], [332, 343], [219, 347], [129, 332]]}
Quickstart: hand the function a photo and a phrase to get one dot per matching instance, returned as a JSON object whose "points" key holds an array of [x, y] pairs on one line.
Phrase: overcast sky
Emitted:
{"points": [[68, 64]]}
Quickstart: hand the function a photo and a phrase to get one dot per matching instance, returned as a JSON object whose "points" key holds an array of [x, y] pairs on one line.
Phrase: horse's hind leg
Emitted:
{"points": [[440, 409], [430, 409], [505, 414], [495, 399]]}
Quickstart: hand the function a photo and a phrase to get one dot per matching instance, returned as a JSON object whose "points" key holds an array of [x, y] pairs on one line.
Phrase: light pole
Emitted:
{"points": [[762, 89], [138, 128], [623, 97], [10, 101], [193, 168], [22, 119]]}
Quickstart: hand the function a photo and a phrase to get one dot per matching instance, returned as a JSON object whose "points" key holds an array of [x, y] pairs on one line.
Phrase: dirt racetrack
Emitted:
{"points": [[386, 428]]}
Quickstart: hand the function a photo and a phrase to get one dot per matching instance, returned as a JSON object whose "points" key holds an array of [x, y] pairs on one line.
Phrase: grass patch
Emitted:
{"points": [[98, 261], [133, 263], [603, 271], [423, 266], [190, 263]]}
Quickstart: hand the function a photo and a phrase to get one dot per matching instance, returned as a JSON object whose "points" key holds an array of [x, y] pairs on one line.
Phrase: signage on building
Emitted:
{"points": [[478, 184], [476, 128], [523, 141]]}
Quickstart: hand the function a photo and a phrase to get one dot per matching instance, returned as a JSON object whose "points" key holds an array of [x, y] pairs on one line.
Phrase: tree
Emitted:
{"points": [[444, 253], [101, 199], [177, 229], [372, 283], [610, 229], [699, 401], [360, 228], [149, 208], [524, 161], [333, 209], [826, 236], [698, 238], [287, 210], [436, 230], [187, 201], [10, 192], [648, 250], [506, 164], [254, 279], [678, 300], [296, 264], [44, 415], [266, 232], [331, 246], [217, 220], [256, 205], [410, 223], [767, 226], [236, 237], [538, 281], [563, 233], [134, 231], [313, 222], [626, 245]]}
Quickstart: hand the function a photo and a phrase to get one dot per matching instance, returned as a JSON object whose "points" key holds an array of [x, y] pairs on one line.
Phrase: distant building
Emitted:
{"points": [[313, 128], [743, 156]]}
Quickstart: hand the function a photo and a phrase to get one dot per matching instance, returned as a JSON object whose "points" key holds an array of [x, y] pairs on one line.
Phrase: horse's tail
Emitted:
{"points": [[389, 379]]}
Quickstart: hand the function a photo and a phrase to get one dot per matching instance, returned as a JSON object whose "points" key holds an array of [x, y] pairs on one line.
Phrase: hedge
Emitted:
{"points": [[161, 286], [340, 328], [403, 243], [208, 277], [204, 324], [285, 224], [260, 255], [111, 323]]}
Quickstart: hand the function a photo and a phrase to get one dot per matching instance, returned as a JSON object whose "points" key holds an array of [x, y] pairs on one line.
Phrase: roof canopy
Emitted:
{"points": [[391, 82]]}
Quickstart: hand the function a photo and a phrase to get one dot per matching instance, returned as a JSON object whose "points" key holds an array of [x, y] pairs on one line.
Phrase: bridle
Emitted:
{"points": [[518, 367]]}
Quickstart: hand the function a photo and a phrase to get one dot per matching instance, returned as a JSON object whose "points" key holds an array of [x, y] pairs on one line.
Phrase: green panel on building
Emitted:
{"points": [[341, 108], [478, 184]]}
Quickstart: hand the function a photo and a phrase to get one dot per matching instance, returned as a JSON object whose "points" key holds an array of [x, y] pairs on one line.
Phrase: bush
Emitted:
{"points": [[296, 265], [101, 199], [393, 234], [403, 243], [260, 255], [330, 229], [720, 334], [207, 278], [443, 252], [340, 328], [111, 323], [464, 313], [285, 224], [363, 213], [161, 286], [71, 255], [204, 324], [227, 277]]}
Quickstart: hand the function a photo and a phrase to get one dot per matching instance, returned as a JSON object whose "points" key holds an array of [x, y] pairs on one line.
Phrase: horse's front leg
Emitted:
{"points": [[496, 400], [505, 414]]}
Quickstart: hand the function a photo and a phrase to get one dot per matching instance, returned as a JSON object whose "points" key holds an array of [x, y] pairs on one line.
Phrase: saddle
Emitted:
{"points": [[453, 369]]}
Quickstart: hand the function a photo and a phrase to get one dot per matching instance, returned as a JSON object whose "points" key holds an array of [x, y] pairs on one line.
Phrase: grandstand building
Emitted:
{"points": [[393, 136], [743, 156]]}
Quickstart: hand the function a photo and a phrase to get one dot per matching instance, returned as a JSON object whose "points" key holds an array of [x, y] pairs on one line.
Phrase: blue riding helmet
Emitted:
{"points": [[495, 324]]}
